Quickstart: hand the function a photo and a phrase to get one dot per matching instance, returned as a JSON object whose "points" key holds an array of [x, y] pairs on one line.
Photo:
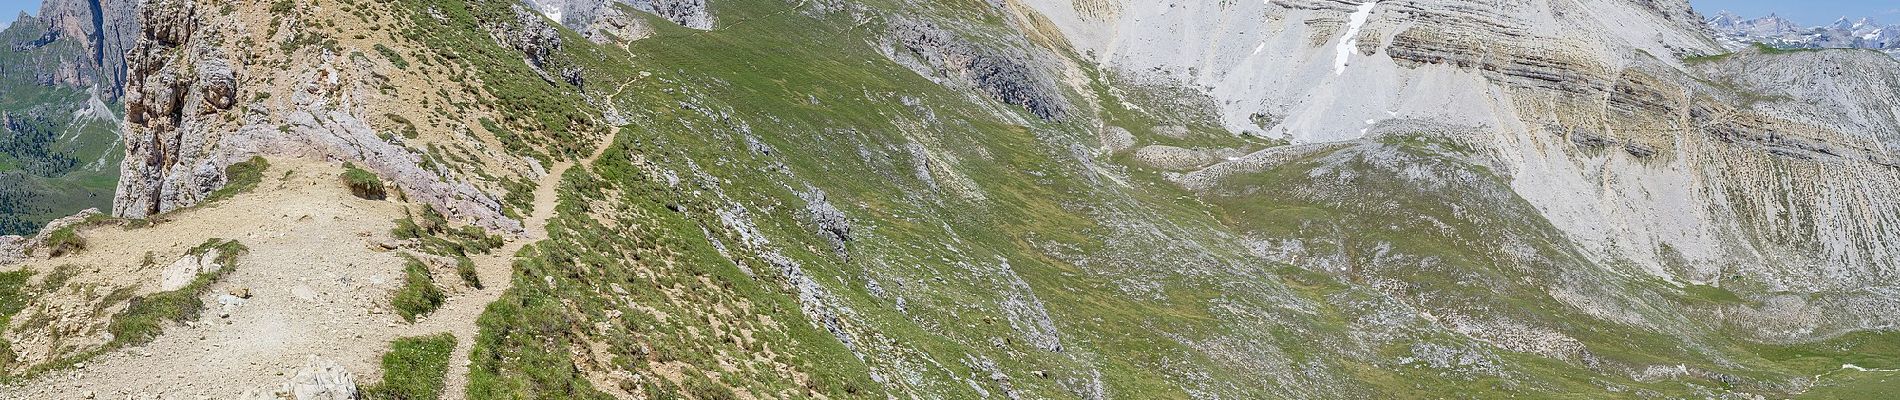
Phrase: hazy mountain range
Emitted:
{"points": [[1865, 33]]}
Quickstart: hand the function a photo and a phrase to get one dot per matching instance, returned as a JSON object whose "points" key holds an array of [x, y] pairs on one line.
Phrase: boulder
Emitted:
{"points": [[186, 269], [1116, 139]]}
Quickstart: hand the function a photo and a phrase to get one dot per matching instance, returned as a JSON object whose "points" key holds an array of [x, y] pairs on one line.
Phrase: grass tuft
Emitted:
{"points": [[413, 368], [64, 241], [240, 177], [13, 298], [419, 295], [362, 183], [394, 57], [465, 268]]}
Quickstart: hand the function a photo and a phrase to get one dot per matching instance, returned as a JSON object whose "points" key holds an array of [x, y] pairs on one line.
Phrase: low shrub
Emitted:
{"points": [[465, 267], [391, 54], [418, 295], [362, 183], [240, 177], [64, 241]]}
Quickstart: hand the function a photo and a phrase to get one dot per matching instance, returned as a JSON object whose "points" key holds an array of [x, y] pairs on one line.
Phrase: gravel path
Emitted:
{"points": [[319, 284]]}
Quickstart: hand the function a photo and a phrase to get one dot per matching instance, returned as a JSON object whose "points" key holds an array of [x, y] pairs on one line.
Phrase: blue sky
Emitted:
{"points": [[1804, 12], [12, 8]]}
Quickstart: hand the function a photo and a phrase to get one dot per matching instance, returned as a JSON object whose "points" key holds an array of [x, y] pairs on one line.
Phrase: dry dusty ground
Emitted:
{"points": [[320, 286]]}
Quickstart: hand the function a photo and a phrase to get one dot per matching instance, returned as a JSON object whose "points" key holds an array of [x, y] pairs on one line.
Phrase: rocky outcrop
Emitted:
{"points": [[687, 13], [12, 249], [832, 223], [193, 108], [15, 249], [1173, 158], [592, 17], [172, 83], [1006, 75], [536, 39], [182, 272], [610, 25], [1293, 59]]}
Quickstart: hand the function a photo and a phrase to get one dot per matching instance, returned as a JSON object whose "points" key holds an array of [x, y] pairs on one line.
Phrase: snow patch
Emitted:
{"points": [[1864, 369], [1350, 42]]}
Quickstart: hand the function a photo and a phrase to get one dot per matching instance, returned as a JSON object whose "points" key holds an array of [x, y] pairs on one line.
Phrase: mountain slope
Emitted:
{"points": [[62, 73], [766, 199]]}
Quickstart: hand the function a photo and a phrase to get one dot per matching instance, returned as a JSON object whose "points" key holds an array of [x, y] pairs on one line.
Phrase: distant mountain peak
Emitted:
{"points": [[1844, 32]]}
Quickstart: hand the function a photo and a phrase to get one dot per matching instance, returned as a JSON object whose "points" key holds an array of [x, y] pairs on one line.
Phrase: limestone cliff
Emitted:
{"points": [[1663, 166], [195, 105], [591, 16], [173, 83]]}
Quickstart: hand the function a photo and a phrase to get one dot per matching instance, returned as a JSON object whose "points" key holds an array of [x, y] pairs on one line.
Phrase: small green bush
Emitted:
{"points": [[465, 267], [362, 183], [432, 222], [419, 294], [240, 177], [478, 240], [406, 229], [705, 389], [408, 128], [393, 56], [518, 199], [413, 368], [64, 241]]}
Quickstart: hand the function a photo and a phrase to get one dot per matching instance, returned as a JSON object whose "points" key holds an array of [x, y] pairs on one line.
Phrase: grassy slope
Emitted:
{"points": [[1418, 235], [645, 275], [413, 368]]}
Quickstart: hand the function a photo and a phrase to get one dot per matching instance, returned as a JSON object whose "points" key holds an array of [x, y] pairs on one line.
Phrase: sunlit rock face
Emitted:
{"points": [[1588, 108]]}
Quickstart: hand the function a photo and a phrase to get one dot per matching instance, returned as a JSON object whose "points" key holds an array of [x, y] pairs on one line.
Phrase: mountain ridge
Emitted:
{"points": [[1864, 33]]}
